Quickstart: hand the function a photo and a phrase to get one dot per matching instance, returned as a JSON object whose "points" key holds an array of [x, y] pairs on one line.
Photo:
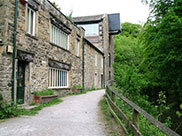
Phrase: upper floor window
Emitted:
{"points": [[31, 21], [102, 61], [95, 59], [77, 48], [91, 29], [58, 37], [109, 60]]}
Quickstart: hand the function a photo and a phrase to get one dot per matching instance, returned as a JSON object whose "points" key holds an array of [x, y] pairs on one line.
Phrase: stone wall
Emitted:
{"points": [[92, 78], [104, 41], [6, 35], [36, 73]]}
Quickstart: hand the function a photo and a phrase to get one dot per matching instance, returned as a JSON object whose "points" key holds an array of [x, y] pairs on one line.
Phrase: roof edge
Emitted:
{"points": [[93, 46]]}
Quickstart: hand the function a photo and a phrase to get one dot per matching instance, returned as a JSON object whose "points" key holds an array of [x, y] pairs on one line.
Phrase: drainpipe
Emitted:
{"points": [[104, 71], [83, 67], [14, 49]]}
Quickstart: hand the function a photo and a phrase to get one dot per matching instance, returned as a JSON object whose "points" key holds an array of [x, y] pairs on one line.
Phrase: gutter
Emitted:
{"points": [[14, 49], [104, 72], [83, 67]]}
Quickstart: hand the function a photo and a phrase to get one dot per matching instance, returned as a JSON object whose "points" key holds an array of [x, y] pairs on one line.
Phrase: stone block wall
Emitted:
{"points": [[6, 35], [36, 73], [92, 72]]}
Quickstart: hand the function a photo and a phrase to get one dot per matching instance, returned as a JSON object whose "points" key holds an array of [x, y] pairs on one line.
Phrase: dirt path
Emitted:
{"points": [[75, 116]]}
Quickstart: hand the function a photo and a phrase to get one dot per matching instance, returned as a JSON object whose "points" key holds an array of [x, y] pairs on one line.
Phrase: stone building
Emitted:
{"points": [[41, 48], [100, 31], [93, 66]]}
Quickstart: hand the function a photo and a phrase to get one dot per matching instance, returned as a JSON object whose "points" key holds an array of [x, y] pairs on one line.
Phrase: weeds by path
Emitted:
{"points": [[111, 125]]}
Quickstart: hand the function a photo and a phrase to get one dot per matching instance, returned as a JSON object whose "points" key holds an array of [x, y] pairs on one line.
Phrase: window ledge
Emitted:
{"points": [[78, 56], [59, 88], [31, 36], [59, 47]]}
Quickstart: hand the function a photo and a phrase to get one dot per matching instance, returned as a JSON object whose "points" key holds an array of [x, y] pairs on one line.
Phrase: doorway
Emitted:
{"points": [[102, 81], [20, 82]]}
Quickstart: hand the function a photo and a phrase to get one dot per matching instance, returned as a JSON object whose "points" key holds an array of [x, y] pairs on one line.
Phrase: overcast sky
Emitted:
{"points": [[130, 10]]}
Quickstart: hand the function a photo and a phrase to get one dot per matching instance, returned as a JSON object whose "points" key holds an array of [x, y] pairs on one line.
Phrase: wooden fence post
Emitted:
{"points": [[113, 96], [136, 118]]}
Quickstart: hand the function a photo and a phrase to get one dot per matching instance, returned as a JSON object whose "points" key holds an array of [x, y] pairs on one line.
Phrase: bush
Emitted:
{"points": [[77, 87], [44, 92], [7, 110]]}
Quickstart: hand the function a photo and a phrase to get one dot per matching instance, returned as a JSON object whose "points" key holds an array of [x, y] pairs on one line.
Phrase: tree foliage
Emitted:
{"points": [[56, 5], [162, 52], [148, 59], [126, 65]]}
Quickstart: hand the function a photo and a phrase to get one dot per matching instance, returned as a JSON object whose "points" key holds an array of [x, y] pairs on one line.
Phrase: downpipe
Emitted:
{"points": [[14, 49]]}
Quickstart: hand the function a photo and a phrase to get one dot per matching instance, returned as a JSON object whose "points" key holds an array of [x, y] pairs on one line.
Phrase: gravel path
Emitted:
{"points": [[76, 116]]}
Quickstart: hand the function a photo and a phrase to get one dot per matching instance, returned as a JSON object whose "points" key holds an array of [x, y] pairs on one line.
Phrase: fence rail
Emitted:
{"points": [[134, 124]]}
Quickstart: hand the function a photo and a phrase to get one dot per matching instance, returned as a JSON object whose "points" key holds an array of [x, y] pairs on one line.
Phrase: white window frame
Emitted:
{"points": [[54, 78], [96, 59], [58, 37], [102, 61], [91, 29], [78, 48], [29, 21]]}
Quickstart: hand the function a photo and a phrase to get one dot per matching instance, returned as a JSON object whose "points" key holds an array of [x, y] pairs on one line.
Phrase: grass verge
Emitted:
{"points": [[38, 108], [112, 127]]}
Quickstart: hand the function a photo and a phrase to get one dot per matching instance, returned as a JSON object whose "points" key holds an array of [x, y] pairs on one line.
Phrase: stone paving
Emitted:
{"points": [[76, 116]]}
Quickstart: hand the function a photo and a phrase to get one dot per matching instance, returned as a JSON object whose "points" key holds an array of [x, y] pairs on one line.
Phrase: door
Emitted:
{"points": [[21, 82], [102, 81], [95, 81]]}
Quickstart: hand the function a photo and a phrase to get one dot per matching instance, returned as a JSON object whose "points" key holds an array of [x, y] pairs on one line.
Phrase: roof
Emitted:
{"points": [[88, 19], [114, 23], [89, 43]]}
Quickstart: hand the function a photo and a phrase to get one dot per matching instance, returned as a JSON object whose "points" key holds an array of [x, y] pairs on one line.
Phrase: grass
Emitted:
{"points": [[38, 108], [111, 124]]}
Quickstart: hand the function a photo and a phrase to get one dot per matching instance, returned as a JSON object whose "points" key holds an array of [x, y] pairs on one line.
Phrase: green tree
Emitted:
{"points": [[162, 52], [56, 5], [129, 29], [163, 47]]}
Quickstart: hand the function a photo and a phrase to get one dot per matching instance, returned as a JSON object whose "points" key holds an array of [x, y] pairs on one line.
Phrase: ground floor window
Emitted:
{"points": [[58, 78]]}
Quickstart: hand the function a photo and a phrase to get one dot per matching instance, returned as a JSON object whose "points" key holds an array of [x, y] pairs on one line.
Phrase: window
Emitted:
{"points": [[58, 78], [91, 29], [95, 59], [109, 60], [58, 37], [77, 48], [101, 62], [109, 75], [95, 80], [30, 21]]}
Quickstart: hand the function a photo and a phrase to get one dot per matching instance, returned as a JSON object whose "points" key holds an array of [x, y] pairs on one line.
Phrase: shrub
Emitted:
{"points": [[77, 86], [7, 110], [44, 92]]}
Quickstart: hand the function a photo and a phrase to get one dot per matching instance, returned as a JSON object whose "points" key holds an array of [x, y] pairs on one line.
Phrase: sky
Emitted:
{"points": [[130, 10]]}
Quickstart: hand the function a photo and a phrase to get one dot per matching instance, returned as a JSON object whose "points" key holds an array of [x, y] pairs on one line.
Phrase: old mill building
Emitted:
{"points": [[41, 48]]}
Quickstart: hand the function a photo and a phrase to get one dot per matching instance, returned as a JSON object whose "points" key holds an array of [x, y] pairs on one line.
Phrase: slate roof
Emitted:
{"points": [[114, 23], [88, 19]]}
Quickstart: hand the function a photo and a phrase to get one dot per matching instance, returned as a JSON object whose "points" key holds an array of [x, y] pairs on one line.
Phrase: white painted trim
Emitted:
{"points": [[29, 21], [55, 83]]}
